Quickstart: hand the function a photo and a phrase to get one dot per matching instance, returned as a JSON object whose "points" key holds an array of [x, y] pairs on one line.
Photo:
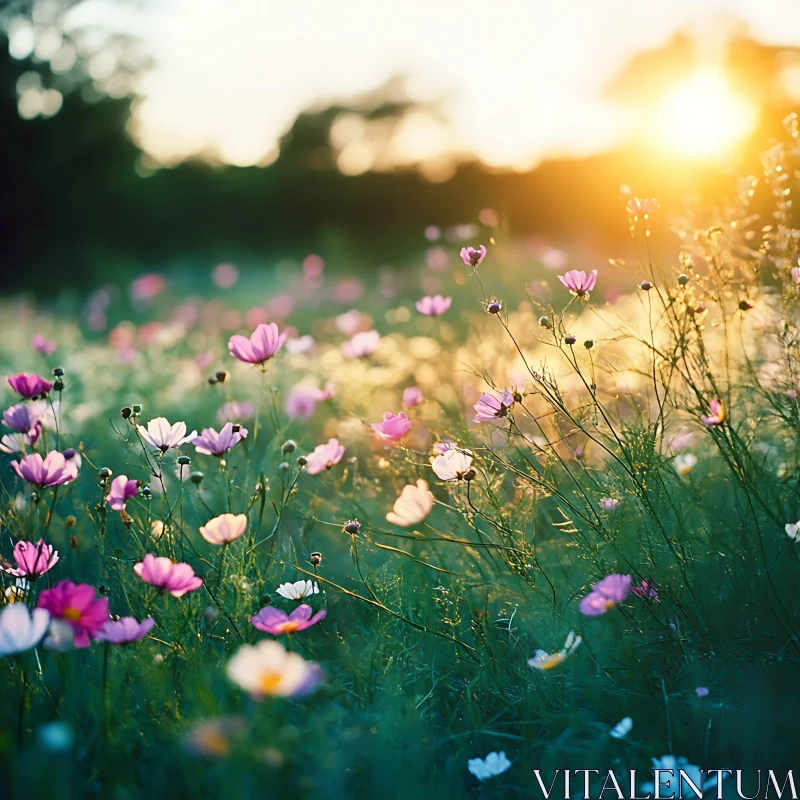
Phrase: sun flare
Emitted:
{"points": [[702, 117]]}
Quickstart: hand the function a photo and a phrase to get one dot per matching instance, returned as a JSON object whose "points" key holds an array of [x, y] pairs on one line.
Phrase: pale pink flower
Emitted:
{"points": [[324, 456], [453, 465], [606, 594], [269, 669], [412, 396], [717, 415], [167, 576], [235, 412], [160, 435], [122, 489], [473, 256], [578, 282], [489, 408], [263, 344], [21, 629], [43, 345], [362, 344], [33, 560], [53, 470], [412, 506], [300, 346], [224, 529], [274, 621], [393, 427], [433, 306], [125, 630], [796, 274], [301, 402], [24, 418], [211, 443]]}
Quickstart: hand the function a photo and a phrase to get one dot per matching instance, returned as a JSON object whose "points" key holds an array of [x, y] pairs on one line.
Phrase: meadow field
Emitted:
{"points": [[418, 533]]}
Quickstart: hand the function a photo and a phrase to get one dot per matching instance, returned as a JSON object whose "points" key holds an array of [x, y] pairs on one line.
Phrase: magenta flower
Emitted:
{"points": [[393, 427], [489, 408], [53, 470], [433, 306], [29, 386], [645, 590], [24, 418], [262, 345], [324, 457], [717, 415], [167, 576], [472, 256], [412, 396], [43, 345], [122, 488], [33, 560], [76, 605], [274, 621], [125, 630], [211, 443], [606, 594], [361, 344], [578, 282]]}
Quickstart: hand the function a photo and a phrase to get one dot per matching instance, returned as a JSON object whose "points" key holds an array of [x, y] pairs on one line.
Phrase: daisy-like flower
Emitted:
{"points": [[273, 620], [645, 590], [412, 506], [621, 729], [211, 443], [641, 207], [20, 629], [324, 456], [578, 282], [53, 470], [608, 503], [717, 415], [33, 560], [453, 465], [29, 386], [122, 489], [269, 669], [684, 463], [263, 344], [545, 661], [433, 306], [793, 530], [15, 443], [490, 408], [161, 436], [167, 576], [125, 630], [76, 605], [490, 767], [361, 344], [298, 590], [606, 594], [393, 427], [224, 529], [472, 256]]}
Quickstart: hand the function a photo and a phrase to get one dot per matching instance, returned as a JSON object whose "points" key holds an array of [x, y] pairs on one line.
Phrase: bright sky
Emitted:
{"points": [[519, 79]]}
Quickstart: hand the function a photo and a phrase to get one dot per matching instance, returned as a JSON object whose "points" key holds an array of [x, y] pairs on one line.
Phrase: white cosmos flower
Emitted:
{"points": [[160, 435], [793, 530], [269, 669], [484, 768], [413, 505], [224, 529], [545, 661], [21, 629], [684, 463], [453, 464], [298, 590], [621, 729]]}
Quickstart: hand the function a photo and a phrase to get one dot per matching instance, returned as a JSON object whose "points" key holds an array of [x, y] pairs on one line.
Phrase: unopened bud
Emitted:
{"points": [[588, 344], [104, 473], [137, 408], [221, 376], [58, 372], [494, 307], [302, 461], [683, 279], [289, 446], [184, 461], [469, 475], [745, 305], [126, 412], [316, 559], [352, 526], [146, 492], [283, 466], [544, 322], [645, 286], [196, 478], [570, 340], [58, 385]]}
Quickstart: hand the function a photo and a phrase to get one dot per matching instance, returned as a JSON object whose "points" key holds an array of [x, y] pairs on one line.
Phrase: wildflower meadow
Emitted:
{"points": [[416, 534]]}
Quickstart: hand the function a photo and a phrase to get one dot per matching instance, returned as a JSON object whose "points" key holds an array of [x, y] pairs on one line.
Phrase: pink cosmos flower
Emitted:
{"points": [[489, 408], [606, 594], [24, 418], [440, 448], [53, 470], [393, 427], [29, 386], [125, 630], [324, 457], [472, 256], [361, 344], [645, 590], [76, 605], [121, 489], [796, 274], [167, 576], [274, 621], [301, 402], [262, 345], [433, 306], [578, 282], [33, 560], [235, 412], [717, 416], [211, 443], [412, 396], [43, 345]]}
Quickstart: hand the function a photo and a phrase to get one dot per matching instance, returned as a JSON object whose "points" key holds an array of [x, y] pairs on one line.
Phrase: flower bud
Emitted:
{"points": [[58, 372], [221, 376], [745, 305], [588, 344], [302, 461], [469, 475], [683, 279], [146, 492], [212, 381], [184, 461], [58, 385], [494, 307], [570, 340], [104, 473], [126, 412], [196, 478], [137, 408], [316, 559], [289, 446], [352, 526], [544, 322], [645, 286], [70, 522], [283, 466]]}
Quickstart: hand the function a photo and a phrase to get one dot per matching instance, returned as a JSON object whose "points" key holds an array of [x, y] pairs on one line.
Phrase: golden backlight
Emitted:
{"points": [[702, 117]]}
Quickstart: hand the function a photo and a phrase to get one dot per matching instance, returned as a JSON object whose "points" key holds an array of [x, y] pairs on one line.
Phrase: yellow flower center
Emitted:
{"points": [[289, 627], [269, 682], [71, 614], [553, 661], [609, 605]]}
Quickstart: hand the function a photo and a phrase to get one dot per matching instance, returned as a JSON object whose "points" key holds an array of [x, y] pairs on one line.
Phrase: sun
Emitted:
{"points": [[701, 117]]}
